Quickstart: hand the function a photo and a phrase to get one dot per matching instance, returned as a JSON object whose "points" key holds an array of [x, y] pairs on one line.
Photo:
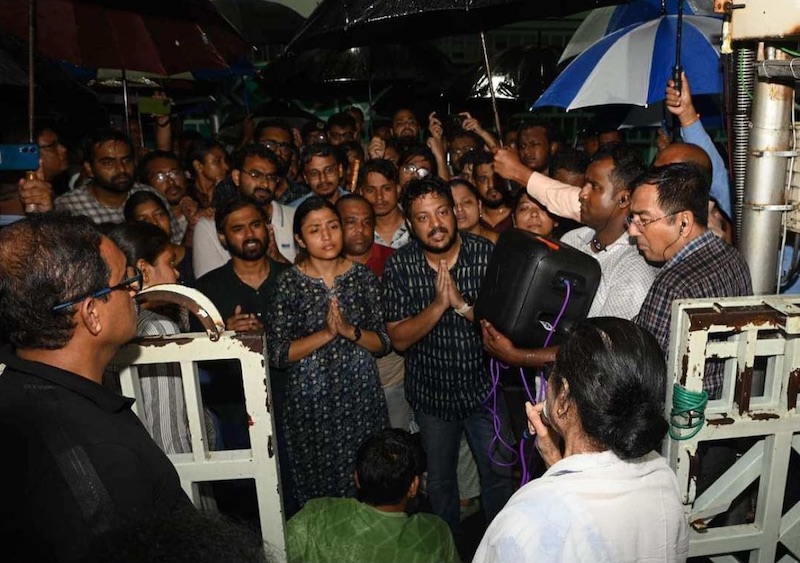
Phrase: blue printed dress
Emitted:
{"points": [[333, 398]]}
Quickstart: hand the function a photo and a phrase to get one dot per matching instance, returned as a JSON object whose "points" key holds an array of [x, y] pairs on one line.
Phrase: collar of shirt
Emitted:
{"points": [[692, 246], [623, 240], [99, 395]]}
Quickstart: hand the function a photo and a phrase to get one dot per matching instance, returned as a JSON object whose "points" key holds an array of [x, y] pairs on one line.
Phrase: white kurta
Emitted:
{"points": [[593, 508]]}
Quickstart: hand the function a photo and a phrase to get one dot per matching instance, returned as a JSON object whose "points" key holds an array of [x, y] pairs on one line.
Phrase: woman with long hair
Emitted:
{"points": [[326, 327]]}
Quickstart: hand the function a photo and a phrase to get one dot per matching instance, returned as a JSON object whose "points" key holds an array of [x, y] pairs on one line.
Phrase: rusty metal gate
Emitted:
{"points": [[258, 463], [758, 338]]}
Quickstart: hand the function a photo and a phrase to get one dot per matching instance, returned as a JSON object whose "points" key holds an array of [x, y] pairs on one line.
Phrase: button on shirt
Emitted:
{"points": [[705, 267], [446, 373], [625, 276]]}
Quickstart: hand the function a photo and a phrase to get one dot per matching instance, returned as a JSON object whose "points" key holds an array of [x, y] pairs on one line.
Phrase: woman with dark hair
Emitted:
{"points": [[607, 495], [530, 215], [148, 248], [326, 327], [207, 163], [468, 209], [147, 207]]}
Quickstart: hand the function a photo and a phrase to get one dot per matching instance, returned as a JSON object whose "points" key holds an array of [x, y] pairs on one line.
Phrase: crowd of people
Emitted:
{"points": [[360, 259]]}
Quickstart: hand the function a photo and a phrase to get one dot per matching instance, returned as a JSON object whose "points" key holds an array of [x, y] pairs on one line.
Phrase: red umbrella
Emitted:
{"points": [[166, 37]]}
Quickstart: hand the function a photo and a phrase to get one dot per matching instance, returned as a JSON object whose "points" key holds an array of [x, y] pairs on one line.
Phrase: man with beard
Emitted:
{"points": [[255, 175], [405, 127], [378, 184], [239, 288], [322, 173], [109, 164], [496, 215], [430, 285], [276, 135]]}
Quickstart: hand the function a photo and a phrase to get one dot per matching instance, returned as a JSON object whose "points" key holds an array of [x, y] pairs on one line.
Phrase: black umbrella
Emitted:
{"points": [[328, 72], [347, 23], [518, 73], [261, 21]]}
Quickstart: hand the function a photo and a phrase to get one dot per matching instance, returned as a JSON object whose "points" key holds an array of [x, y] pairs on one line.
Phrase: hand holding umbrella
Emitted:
{"points": [[679, 102]]}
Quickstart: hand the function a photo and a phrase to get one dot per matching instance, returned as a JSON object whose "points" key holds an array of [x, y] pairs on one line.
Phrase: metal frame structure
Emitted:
{"points": [[759, 340], [260, 462]]}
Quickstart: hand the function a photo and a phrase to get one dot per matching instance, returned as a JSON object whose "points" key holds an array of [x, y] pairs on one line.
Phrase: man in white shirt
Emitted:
{"points": [[255, 174]]}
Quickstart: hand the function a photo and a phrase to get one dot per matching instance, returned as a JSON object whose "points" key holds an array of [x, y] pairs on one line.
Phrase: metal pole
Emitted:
{"points": [[126, 117], [765, 181], [31, 77], [488, 69]]}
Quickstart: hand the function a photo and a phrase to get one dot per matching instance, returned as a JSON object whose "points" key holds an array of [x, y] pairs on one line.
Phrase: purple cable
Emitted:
{"points": [[494, 370]]}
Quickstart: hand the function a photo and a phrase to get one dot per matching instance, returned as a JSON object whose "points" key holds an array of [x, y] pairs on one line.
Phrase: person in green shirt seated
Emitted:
{"points": [[375, 528]]}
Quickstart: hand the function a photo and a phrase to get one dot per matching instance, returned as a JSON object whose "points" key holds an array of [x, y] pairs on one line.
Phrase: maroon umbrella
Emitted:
{"points": [[166, 37]]}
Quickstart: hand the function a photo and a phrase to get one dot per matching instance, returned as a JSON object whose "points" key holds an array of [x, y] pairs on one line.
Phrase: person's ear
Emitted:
{"points": [[624, 199], [299, 242], [87, 168], [147, 271], [412, 490], [223, 241], [236, 176], [197, 166], [90, 315], [553, 148]]}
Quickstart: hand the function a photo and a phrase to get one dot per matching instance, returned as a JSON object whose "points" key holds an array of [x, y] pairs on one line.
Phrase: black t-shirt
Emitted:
{"points": [[226, 291], [77, 463]]}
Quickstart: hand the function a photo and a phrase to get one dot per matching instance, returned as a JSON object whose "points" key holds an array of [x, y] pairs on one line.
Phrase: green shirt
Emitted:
{"points": [[341, 530]]}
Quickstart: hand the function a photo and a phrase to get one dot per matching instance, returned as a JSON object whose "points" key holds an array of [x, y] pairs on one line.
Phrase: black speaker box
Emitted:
{"points": [[526, 285]]}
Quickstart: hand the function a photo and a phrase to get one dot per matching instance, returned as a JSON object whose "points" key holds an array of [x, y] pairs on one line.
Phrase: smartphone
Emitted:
{"points": [[19, 157], [154, 106]]}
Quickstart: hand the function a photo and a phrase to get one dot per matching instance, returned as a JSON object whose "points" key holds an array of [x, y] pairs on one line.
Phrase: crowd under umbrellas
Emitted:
{"points": [[358, 248]]}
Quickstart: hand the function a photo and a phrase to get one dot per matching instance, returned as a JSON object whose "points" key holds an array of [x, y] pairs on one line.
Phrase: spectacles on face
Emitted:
{"points": [[327, 171], [133, 281], [276, 146], [259, 176], [173, 175], [415, 170], [641, 225]]}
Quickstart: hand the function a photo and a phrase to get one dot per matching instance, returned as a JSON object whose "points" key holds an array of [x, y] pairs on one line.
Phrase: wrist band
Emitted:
{"points": [[463, 310]]}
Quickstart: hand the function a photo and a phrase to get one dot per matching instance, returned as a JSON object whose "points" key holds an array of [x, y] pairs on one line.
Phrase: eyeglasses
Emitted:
{"points": [[640, 225], [327, 171], [276, 145], [259, 176], [415, 170], [133, 282], [173, 175]]}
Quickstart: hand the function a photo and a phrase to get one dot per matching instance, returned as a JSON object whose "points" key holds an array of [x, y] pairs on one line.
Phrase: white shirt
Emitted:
{"points": [[209, 254], [593, 508], [625, 276]]}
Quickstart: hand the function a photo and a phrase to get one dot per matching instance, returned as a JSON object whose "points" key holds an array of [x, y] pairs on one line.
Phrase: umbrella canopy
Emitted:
{"points": [[603, 21], [339, 24], [356, 70], [517, 73], [633, 65], [261, 21], [160, 37]]}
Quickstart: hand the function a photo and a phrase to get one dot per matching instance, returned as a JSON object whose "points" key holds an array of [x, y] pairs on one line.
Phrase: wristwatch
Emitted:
{"points": [[464, 309], [356, 334]]}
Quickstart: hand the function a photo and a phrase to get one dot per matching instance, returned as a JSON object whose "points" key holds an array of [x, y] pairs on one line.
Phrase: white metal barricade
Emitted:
{"points": [[258, 463], [759, 340]]}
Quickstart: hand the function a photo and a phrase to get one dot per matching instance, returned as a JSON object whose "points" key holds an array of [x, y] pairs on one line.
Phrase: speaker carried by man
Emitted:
{"points": [[529, 281]]}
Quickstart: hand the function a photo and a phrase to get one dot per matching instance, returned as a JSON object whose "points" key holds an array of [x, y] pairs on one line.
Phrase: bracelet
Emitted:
{"points": [[463, 310]]}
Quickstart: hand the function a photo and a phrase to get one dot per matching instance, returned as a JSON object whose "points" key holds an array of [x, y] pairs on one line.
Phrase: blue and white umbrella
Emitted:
{"points": [[603, 21], [632, 66]]}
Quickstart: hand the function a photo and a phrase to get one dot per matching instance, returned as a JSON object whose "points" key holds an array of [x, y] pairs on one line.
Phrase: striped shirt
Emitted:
{"points": [[705, 267], [446, 371]]}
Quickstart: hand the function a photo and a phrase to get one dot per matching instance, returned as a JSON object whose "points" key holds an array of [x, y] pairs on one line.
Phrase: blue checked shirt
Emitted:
{"points": [[446, 372], [706, 267]]}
